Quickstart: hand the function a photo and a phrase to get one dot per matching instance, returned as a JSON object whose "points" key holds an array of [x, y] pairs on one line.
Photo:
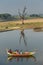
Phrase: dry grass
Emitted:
{"points": [[34, 20], [25, 21], [30, 23]]}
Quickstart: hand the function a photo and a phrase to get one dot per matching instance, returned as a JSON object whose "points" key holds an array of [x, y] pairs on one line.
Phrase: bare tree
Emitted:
{"points": [[23, 14]]}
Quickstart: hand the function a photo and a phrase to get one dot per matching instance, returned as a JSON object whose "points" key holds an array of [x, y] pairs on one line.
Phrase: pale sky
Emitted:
{"points": [[12, 6]]}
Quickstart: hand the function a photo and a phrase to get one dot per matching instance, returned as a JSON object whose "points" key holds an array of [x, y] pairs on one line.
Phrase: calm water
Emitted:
{"points": [[25, 40]]}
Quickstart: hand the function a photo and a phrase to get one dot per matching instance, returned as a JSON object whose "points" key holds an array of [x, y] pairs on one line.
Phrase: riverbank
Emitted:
{"points": [[13, 25]]}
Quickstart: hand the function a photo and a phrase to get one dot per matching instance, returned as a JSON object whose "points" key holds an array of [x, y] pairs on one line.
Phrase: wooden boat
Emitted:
{"points": [[17, 54]]}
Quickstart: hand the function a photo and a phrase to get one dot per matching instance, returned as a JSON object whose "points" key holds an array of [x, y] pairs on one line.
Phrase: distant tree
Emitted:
{"points": [[23, 14], [34, 15], [6, 16]]}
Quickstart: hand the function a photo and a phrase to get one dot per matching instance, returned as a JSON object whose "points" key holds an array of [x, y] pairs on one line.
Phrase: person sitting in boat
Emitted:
{"points": [[10, 50], [21, 52], [17, 51], [26, 52]]}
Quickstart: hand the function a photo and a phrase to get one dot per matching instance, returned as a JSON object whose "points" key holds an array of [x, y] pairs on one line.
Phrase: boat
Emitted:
{"points": [[17, 54]]}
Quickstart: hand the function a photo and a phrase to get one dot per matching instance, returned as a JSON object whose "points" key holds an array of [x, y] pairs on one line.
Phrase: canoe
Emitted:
{"points": [[24, 54]]}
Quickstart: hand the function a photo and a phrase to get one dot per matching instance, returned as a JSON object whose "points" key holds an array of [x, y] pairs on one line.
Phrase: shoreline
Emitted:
{"points": [[15, 25]]}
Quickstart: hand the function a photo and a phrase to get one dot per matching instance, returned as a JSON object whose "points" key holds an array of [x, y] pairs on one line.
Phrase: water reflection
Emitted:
{"points": [[38, 29], [22, 35], [22, 58]]}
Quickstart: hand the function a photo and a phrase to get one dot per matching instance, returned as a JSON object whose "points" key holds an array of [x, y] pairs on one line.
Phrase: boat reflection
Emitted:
{"points": [[21, 58]]}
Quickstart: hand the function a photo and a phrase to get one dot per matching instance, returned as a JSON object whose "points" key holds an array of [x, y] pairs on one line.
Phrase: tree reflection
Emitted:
{"points": [[22, 35]]}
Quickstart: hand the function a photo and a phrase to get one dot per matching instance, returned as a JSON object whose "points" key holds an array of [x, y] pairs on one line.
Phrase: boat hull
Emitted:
{"points": [[21, 55]]}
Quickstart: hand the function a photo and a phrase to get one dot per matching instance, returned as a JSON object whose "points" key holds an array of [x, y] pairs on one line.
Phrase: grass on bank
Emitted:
{"points": [[11, 25]]}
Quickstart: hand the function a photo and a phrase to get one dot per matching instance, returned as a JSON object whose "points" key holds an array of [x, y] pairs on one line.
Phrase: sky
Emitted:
{"points": [[12, 6]]}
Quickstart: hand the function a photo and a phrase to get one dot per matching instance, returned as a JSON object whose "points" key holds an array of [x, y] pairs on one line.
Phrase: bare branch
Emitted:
{"points": [[23, 14]]}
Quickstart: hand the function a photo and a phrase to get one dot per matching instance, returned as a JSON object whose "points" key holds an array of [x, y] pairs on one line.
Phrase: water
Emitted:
{"points": [[25, 40]]}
